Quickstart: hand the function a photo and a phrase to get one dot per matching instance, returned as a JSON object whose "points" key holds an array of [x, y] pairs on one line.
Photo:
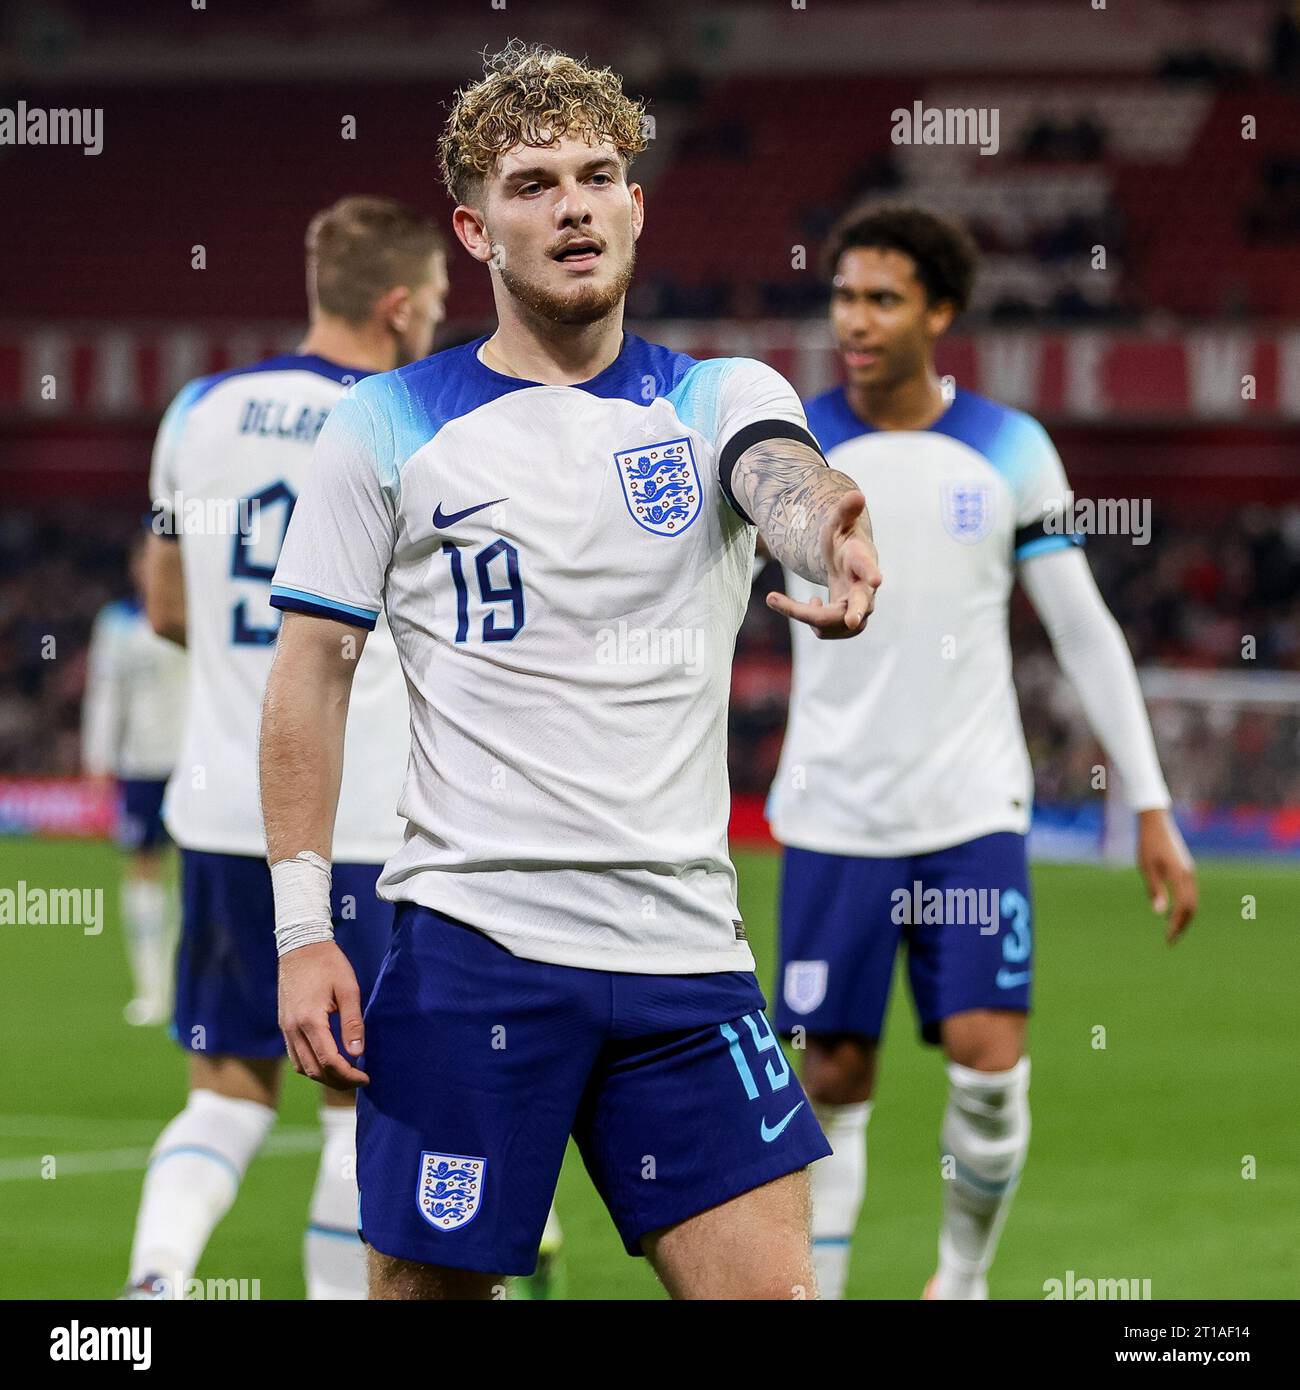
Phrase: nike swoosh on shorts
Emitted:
{"points": [[776, 1130]]}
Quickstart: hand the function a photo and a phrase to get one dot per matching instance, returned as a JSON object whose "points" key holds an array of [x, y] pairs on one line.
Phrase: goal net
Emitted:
{"points": [[1229, 743]]}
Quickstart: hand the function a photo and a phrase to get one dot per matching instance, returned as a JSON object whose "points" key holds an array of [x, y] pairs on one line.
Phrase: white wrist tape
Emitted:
{"points": [[302, 901]]}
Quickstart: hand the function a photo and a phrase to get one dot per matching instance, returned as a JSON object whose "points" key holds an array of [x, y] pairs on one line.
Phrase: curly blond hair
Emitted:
{"points": [[532, 95]]}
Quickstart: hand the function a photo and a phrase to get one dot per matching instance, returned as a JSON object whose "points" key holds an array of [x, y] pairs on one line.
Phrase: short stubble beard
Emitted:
{"points": [[588, 305]]}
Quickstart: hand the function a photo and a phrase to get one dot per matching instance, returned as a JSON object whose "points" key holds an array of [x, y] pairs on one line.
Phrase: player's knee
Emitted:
{"points": [[984, 1040], [986, 1055], [839, 1071], [237, 1078]]}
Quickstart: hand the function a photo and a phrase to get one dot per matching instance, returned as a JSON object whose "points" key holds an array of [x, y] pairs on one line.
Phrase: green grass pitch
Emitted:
{"points": [[1135, 1169]]}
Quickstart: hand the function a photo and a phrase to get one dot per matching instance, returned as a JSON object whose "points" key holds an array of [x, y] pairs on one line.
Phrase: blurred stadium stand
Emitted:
{"points": [[1121, 128]]}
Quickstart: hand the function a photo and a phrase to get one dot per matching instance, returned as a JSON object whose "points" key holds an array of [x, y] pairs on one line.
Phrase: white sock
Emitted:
{"points": [[148, 942], [985, 1138], [552, 1235], [334, 1259], [839, 1185], [193, 1176]]}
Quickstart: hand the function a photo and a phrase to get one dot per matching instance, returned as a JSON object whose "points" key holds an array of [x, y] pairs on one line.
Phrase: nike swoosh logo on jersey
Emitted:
{"points": [[441, 518], [777, 1129], [1009, 979]]}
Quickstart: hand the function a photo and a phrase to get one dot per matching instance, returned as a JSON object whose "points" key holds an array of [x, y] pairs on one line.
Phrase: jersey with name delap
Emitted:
{"points": [[233, 454], [564, 571]]}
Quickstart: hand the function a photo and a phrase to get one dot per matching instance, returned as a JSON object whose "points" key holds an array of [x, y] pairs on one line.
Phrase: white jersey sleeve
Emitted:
{"points": [[755, 403], [1086, 638], [1092, 651], [1039, 488], [164, 469], [340, 542]]}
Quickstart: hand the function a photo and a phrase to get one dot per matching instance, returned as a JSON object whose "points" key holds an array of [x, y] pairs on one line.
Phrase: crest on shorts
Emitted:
{"points": [[450, 1189], [661, 485], [967, 511], [805, 984]]}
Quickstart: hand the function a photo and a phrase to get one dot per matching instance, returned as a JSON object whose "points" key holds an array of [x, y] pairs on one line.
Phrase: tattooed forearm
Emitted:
{"points": [[789, 493]]}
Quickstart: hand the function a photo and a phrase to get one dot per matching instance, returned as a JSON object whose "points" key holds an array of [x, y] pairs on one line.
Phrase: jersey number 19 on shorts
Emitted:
{"points": [[776, 1067]]}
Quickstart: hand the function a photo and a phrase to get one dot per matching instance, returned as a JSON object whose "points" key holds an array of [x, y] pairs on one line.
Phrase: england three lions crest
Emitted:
{"points": [[805, 984], [661, 485], [967, 511], [450, 1189]]}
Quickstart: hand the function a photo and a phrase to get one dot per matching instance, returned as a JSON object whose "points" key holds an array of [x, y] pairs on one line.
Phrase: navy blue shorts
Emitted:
{"points": [[963, 912], [483, 1063], [226, 962], [139, 816]]}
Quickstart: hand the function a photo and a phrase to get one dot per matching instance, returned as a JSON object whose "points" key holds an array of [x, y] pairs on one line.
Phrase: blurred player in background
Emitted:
{"points": [[131, 728], [904, 770], [233, 453], [568, 955]]}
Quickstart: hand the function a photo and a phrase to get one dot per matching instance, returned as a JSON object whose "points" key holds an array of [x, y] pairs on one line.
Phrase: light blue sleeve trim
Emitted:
{"points": [[283, 591]]}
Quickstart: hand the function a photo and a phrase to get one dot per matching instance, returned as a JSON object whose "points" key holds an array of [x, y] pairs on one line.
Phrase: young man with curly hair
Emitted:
{"points": [[559, 521]]}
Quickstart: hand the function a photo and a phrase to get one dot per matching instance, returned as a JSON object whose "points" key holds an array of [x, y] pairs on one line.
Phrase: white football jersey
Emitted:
{"points": [[565, 572], [907, 739], [232, 456], [134, 705]]}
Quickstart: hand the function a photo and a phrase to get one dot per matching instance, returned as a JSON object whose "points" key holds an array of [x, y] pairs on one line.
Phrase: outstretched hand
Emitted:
{"points": [[852, 571]]}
